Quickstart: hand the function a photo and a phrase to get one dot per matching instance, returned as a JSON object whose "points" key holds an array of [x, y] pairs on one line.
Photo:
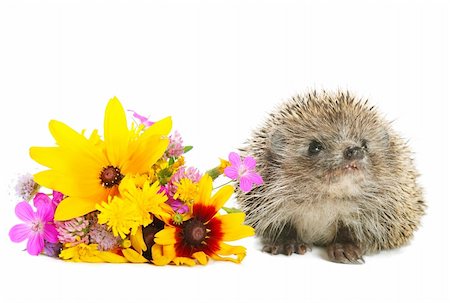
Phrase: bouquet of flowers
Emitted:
{"points": [[129, 197]]}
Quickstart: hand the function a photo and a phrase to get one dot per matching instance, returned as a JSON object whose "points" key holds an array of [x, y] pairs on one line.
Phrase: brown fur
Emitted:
{"points": [[379, 205]]}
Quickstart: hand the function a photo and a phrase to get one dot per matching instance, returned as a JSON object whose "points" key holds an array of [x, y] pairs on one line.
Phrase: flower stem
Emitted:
{"points": [[223, 185]]}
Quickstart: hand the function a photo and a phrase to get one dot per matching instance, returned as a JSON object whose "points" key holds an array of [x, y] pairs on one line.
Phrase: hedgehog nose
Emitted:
{"points": [[353, 153]]}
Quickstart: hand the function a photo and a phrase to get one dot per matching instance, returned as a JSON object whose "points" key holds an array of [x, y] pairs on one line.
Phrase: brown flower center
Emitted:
{"points": [[149, 233], [194, 232], [110, 176]]}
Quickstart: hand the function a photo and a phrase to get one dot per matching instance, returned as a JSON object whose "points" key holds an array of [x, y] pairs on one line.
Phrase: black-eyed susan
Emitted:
{"points": [[203, 236], [86, 170]]}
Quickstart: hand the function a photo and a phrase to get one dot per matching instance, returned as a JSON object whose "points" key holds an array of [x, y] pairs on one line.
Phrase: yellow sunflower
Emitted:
{"points": [[203, 235], [88, 172]]}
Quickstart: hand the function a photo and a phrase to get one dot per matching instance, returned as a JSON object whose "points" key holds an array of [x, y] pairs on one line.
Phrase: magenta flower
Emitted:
{"points": [[43, 199], [243, 171], [142, 119], [178, 206], [38, 226]]}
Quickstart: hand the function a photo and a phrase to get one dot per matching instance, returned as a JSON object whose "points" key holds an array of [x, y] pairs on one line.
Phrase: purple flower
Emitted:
{"points": [[243, 171], [99, 234], [38, 226], [142, 119], [52, 249]]}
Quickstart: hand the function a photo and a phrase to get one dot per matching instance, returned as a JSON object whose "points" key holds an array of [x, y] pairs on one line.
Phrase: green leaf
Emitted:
{"points": [[171, 161], [231, 210], [187, 148]]}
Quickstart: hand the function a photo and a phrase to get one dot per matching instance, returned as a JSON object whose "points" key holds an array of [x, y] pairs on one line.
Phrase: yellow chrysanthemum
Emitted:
{"points": [[145, 199], [186, 190], [89, 170], [120, 216], [204, 235]]}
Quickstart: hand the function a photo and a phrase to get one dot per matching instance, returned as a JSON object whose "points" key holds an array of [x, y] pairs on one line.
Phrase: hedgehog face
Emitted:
{"points": [[332, 144]]}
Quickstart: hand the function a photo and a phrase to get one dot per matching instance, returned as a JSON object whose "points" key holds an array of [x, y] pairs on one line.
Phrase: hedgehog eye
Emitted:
{"points": [[315, 147], [364, 144]]}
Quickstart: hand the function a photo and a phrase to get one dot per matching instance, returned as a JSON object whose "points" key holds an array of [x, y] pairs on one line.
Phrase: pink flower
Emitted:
{"points": [[243, 171], [191, 173], [37, 228], [142, 119], [43, 199], [175, 148], [73, 231]]}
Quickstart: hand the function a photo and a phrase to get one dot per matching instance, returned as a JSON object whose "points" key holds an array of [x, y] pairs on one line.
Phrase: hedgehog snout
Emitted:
{"points": [[352, 153]]}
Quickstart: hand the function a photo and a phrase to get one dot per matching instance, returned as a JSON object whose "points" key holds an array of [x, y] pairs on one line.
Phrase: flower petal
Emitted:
{"points": [[72, 141], [166, 236], [110, 257], [24, 212], [255, 178], [232, 227], [137, 241], [201, 257], [117, 135], [231, 172], [162, 255], [226, 250], [35, 244], [50, 233], [41, 199], [184, 261], [19, 233], [249, 162], [133, 256], [145, 154], [46, 212], [205, 189], [72, 207], [161, 128], [235, 159], [245, 184], [71, 185], [221, 197]]}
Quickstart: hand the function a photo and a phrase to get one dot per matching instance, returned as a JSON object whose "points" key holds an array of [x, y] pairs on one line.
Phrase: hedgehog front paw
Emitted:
{"points": [[286, 248], [347, 253]]}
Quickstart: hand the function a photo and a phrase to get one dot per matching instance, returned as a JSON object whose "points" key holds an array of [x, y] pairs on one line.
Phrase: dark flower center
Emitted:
{"points": [[110, 176], [149, 233], [194, 232]]}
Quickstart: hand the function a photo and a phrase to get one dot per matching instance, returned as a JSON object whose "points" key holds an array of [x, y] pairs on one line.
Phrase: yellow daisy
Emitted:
{"points": [[203, 236], [146, 199], [120, 216], [88, 172], [186, 190]]}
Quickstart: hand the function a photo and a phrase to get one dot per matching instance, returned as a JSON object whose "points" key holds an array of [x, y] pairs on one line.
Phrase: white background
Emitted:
{"points": [[218, 67]]}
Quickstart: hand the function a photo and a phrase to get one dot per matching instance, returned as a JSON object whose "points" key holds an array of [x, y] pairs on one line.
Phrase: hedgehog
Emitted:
{"points": [[336, 175]]}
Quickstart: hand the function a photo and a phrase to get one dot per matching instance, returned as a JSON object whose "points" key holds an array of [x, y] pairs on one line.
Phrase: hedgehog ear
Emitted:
{"points": [[277, 142]]}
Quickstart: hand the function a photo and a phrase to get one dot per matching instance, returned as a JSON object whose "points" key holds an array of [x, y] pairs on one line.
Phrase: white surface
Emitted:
{"points": [[218, 67]]}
